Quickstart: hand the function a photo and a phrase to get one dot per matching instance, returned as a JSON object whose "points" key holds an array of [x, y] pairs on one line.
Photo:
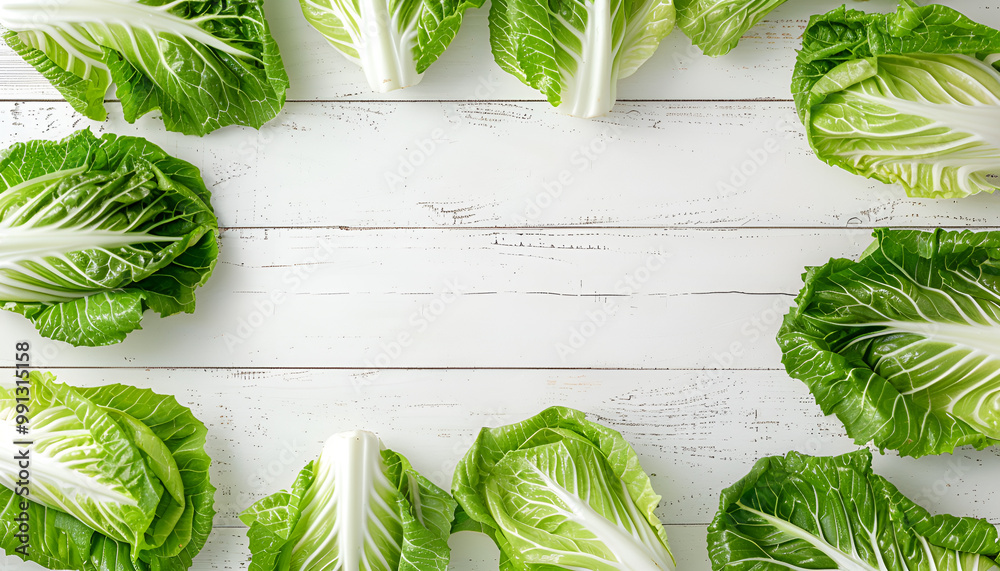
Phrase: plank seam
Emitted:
{"points": [[368, 369], [585, 227], [475, 101]]}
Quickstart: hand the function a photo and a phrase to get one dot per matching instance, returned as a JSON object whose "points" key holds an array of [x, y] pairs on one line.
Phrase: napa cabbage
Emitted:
{"points": [[393, 41], [118, 477], [203, 65], [357, 506], [716, 26], [806, 512], [575, 51], [95, 231], [558, 491], [909, 98], [903, 345]]}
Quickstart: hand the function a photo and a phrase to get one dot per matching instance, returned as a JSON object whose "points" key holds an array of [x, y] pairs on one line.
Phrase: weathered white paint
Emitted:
{"points": [[481, 298], [457, 221], [431, 164], [696, 432]]}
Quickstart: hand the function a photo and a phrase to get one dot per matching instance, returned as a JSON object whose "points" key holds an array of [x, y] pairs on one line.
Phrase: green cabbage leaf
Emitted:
{"points": [[575, 51], [95, 231], [358, 506], [804, 512], [909, 98], [119, 478], [558, 491], [203, 65], [903, 345], [394, 41], [716, 26]]}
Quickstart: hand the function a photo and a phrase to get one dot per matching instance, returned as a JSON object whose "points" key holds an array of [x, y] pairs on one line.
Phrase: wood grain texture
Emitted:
{"points": [[228, 549], [758, 69], [624, 266], [696, 432], [431, 164], [481, 298]]}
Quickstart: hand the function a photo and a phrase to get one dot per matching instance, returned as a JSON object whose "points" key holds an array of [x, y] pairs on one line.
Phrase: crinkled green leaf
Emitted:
{"points": [[96, 473], [109, 441], [55, 540], [557, 491], [394, 41], [357, 506], [904, 344], [804, 512], [95, 231], [204, 65], [910, 98], [88, 80], [271, 521], [716, 26], [184, 436], [575, 51]]}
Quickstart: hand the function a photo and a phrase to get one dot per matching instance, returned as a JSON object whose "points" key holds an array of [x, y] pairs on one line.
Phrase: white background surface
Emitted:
{"points": [[641, 291]]}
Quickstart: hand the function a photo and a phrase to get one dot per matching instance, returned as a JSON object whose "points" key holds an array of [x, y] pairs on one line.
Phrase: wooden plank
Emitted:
{"points": [[451, 164], [228, 549], [604, 298], [695, 432], [758, 69], [459, 163]]}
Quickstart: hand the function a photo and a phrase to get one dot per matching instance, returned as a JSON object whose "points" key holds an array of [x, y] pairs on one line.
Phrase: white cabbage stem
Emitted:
{"points": [[591, 91], [385, 53], [101, 18]]}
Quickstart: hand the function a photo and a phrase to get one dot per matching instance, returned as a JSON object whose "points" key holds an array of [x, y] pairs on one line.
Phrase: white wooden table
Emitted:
{"points": [[645, 290]]}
